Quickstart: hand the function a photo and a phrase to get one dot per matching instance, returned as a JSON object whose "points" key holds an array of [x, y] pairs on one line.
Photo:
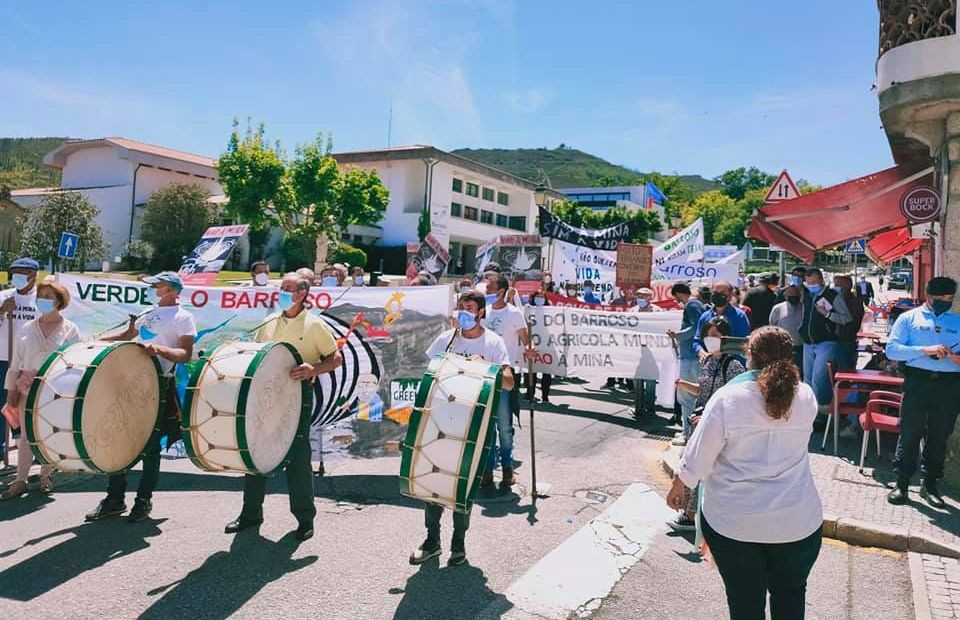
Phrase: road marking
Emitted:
{"points": [[577, 575]]}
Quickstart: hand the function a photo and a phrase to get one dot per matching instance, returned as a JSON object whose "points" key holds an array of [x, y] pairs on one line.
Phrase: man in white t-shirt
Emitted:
{"points": [[508, 322], [470, 339], [168, 332], [18, 305]]}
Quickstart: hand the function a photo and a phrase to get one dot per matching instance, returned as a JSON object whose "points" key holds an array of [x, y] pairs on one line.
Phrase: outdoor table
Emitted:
{"points": [[868, 379]]}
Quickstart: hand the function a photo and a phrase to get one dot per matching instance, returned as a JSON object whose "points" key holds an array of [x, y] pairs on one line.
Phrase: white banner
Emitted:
{"points": [[684, 272], [685, 246], [577, 263], [598, 344]]}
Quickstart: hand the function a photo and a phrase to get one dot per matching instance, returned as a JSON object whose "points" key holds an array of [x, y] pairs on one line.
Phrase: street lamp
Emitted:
{"points": [[540, 196]]}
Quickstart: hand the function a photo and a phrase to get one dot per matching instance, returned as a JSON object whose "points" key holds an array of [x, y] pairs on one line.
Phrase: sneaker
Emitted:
{"points": [[682, 523], [898, 496], [106, 508], [509, 478], [429, 549], [457, 558], [679, 440], [140, 511]]}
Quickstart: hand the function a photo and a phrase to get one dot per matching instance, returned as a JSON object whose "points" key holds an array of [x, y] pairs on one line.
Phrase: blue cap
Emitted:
{"points": [[169, 277], [25, 263]]}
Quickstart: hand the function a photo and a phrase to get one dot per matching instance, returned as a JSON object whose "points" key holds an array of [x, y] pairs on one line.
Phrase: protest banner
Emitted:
{"points": [[594, 238], [592, 344], [634, 261], [687, 271], [206, 260], [577, 263], [684, 247], [519, 256], [431, 256], [382, 332]]}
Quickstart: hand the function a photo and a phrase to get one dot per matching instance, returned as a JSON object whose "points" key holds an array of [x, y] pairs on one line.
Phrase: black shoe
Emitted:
{"points": [[930, 492], [457, 558], [898, 496], [610, 383], [429, 549], [140, 511], [304, 532], [240, 524], [106, 508], [682, 523]]}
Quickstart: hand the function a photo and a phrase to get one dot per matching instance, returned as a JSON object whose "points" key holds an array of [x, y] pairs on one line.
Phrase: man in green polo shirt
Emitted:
{"points": [[307, 333]]}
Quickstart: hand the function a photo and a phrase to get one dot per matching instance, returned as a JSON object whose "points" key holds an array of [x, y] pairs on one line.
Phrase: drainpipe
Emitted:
{"points": [[133, 202], [429, 162]]}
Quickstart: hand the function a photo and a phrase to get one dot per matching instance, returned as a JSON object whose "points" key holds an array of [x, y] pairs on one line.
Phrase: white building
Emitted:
{"points": [[119, 176], [470, 203]]}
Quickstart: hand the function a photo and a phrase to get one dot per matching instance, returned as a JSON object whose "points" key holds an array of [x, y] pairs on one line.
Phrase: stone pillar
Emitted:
{"points": [[951, 255]]}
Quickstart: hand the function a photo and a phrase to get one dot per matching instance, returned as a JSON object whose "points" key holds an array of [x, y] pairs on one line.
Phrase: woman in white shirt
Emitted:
{"points": [[761, 515], [41, 337]]}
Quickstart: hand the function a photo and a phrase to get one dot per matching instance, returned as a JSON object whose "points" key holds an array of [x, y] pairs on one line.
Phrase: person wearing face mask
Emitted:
{"points": [[41, 337], [689, 364], [645, 301], [18, 305], [847, 333], [720, 296], [306, 272], [259, 273], [760, 299], [589, 294], [307, 332], [469, 339], [864, 291], [796, 278], [537, 300], [359, 278], [788, 316], [328, 277], [927, 340], [571, 290], [168, 332], [627, 299]]}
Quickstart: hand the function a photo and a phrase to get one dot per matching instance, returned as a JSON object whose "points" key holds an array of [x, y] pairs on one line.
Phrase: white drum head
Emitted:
{"points": [[274, 404]]}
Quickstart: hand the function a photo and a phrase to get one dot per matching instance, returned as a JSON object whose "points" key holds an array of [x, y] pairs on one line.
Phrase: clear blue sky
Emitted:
{"points": [[690, 87]]}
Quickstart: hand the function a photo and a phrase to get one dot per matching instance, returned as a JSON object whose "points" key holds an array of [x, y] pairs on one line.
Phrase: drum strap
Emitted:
{"points": [[453, 339]]}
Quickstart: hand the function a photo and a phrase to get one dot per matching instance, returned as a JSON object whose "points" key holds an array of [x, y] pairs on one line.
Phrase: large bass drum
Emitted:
{"points": [[446, 443], [242, 410], [94, 406]]}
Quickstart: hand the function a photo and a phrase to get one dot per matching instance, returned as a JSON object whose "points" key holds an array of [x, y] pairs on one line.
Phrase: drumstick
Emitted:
{"points": [[121, 324]]}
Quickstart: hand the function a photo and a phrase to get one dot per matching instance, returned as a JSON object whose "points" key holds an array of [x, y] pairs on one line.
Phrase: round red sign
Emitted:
{"points": [[920, 204]]}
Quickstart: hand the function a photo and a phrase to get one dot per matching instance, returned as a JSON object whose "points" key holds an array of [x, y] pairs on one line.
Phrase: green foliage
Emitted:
{"points": [[174, 220], [298, 252], [21, 163], [347, 254], [423, 224], [736, 183], [251, 173], [643, 223], [137, 255], [57, 213]]}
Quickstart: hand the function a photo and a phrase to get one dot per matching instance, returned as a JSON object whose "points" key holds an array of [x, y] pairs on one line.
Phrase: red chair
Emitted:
{"points": [[839, 405], [878, 418]]}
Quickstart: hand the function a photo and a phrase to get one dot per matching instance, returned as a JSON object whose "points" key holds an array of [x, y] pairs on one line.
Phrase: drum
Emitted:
{"points": [[242, 410], [94, 406], [446, 444]]}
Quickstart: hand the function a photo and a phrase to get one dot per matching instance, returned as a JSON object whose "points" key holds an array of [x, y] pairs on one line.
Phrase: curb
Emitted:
{"points": [[918, 582], [857, 532]]}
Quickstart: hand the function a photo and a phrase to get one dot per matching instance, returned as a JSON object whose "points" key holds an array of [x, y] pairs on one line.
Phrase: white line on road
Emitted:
{"points": [[577, 575]]}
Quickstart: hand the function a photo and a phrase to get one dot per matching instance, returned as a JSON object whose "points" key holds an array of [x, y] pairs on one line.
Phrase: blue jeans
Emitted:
{"points": [[503, 419], [689, 371], [815, 358], [3, 401]]}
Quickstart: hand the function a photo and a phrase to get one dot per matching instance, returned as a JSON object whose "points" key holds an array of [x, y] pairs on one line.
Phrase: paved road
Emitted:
{"points": [[606, 492]]}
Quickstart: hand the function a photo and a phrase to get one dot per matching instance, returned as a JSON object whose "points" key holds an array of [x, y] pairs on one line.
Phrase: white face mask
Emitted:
{"points": [[712, 343], [261, 279]]}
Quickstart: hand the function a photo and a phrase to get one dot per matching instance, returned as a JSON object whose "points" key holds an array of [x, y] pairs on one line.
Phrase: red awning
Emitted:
{"points": [[889, 246], [835, 215]]}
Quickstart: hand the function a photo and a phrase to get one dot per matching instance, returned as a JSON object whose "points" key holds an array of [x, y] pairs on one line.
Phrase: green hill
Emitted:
{"points": [[21, 162], [567, 167]]}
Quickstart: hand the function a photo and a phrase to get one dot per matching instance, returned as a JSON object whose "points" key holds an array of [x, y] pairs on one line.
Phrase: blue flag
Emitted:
{"points": [[653, 196]]}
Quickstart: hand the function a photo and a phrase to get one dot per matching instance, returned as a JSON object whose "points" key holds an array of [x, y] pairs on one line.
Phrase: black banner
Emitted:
{"points": [[593, 238]]}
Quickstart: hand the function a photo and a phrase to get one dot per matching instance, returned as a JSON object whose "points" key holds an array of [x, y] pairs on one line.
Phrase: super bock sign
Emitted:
{"points": [[920, 205]]}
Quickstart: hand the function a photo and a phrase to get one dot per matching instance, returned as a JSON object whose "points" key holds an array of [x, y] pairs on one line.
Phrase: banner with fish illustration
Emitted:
{"points": [[382, 333], [206, 260], [519, 256]]}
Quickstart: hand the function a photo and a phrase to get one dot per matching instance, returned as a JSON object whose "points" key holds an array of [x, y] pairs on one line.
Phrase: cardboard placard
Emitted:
{"points": [[634, 262]]}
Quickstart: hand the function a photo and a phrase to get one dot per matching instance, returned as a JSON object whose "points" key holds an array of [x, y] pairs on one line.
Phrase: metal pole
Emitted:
{"points": [[783, 267], [533, 442]]}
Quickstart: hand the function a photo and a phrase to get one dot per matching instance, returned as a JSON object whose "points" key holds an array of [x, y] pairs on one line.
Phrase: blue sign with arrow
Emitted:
{"points": [[856, 247], [68, 245]]}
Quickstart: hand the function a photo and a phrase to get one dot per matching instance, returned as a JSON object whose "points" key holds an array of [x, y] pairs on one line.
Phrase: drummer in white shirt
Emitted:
{"points": [[18, 303], [470, 339], [168, 332]]}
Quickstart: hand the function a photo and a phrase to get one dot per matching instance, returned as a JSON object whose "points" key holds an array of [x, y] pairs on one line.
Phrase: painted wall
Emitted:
{"points": [[96, 167]]}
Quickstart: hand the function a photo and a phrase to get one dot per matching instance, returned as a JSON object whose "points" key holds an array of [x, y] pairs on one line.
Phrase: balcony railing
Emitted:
{"points": [[906, 21]]}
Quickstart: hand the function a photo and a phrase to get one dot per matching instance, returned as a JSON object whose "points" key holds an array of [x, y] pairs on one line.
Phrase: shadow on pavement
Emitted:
{"points": [[31, 502], [91, 546], [228, 579], [449, 592], [497, 503]]}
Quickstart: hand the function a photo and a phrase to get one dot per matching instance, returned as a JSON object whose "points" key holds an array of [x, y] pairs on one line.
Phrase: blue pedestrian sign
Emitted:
{"points": [[856, 247], [68, 245]]}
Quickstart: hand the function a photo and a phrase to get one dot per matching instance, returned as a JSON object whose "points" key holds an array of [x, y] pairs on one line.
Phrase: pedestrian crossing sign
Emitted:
{"points": [[856, 247]]}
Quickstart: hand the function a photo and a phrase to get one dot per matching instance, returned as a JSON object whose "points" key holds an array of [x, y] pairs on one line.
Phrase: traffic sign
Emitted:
{"points": [[782, 189], [856, 247], [68, 245]]}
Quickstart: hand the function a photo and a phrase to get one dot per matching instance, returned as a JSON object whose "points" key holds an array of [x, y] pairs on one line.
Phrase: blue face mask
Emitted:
{"points": [[20, 281], [358, 280], [328, 281], [466, 320], [285, 300], [151, 296], [814, 288], [539, 301], [492, 299], [46, 306], [795, 280], [643, 303]]}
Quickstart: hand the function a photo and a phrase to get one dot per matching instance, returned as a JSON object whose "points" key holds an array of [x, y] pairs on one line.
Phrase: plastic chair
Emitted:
{"points": [[839, 406], [877, 418]]}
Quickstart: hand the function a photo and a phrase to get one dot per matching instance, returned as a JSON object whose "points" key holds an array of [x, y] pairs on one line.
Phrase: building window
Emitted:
{"points": [[486, 217], [456, 209], [502, 220], [488, 194], [473, 190], [503, 199], [518, 222], [458, 186], [469, 213]]}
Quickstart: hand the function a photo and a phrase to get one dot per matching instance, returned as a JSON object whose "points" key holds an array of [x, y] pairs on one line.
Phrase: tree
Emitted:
{"points": [[308, 196], [736, 183], [174, 219], [347, 254], [58, 213], [714, 207]]}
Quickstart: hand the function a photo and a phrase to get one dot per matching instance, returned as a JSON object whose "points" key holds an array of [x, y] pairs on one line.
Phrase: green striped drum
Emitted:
{"points": [[243, 411], [94, 406], [446, 445]]}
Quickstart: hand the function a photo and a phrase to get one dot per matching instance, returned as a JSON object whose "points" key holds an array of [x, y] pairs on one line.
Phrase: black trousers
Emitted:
{"points": [[461, 523], [299, 487], [546, 380], [929, 410], [749, 570]]}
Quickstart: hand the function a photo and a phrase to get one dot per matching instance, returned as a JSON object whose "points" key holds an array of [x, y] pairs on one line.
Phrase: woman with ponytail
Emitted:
{"points": [[761, 515]]}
